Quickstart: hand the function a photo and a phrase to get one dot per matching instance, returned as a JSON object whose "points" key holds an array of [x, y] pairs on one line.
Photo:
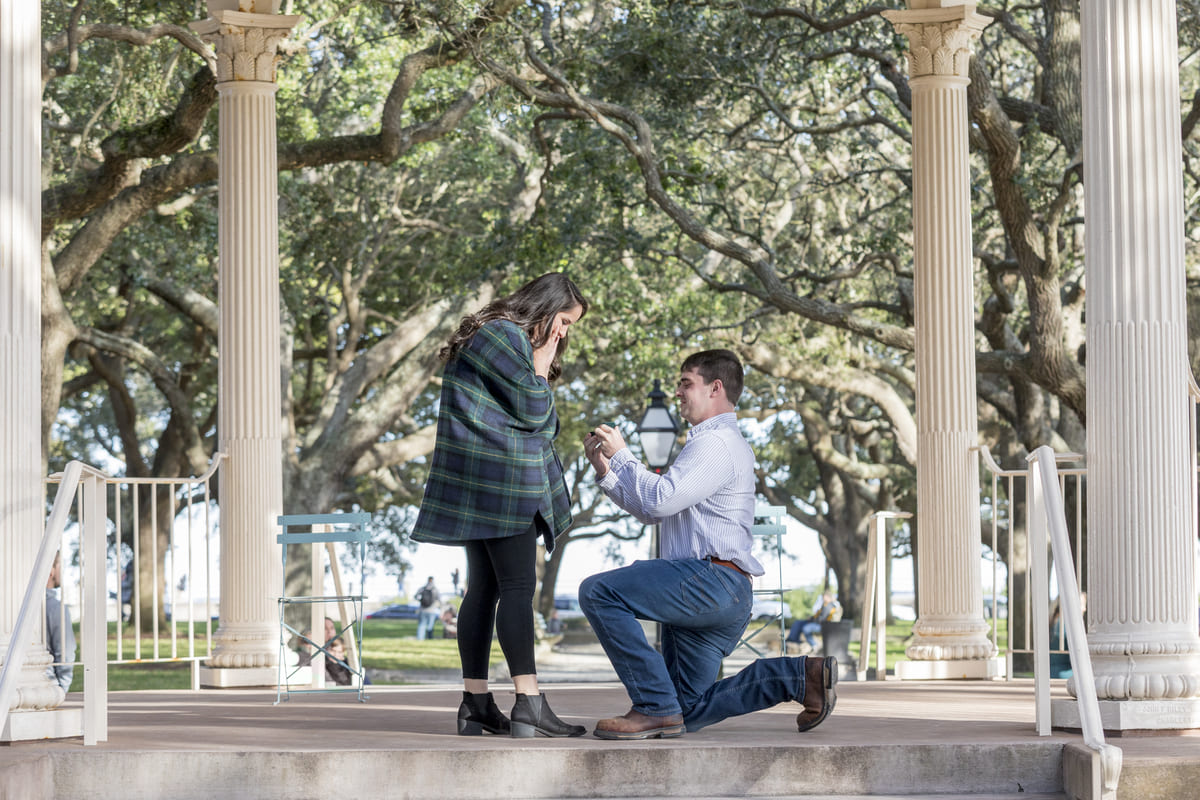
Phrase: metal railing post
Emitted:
{"points": [[1052, 517], [875, 607], [93, 623], [1035, 526]]}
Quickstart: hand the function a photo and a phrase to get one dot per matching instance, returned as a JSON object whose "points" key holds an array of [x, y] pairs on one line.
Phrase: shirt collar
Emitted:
{"points": [[712, 423]]}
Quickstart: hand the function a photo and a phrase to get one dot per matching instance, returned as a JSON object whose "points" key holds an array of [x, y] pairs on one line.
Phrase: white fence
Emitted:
{"points": [[1008, 491], [81, 493], [181, 562]]}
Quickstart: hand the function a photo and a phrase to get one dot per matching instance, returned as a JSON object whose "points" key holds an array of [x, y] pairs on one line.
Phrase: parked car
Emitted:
{"points": [[396, 611], [769, 609], [567, 606]]}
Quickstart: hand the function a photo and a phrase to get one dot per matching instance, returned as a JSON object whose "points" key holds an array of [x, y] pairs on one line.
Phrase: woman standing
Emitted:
{"points": [[496, 485]]}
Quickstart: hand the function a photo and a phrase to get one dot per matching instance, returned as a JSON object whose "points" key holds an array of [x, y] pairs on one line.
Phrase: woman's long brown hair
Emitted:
{"points": [[532, 308]]}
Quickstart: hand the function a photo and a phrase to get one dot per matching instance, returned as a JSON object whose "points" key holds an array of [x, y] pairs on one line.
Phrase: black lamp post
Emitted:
{"points": [[658, 430]]}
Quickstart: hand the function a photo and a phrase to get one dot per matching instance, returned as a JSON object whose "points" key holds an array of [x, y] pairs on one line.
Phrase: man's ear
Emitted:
{"points": [[717, 387]]}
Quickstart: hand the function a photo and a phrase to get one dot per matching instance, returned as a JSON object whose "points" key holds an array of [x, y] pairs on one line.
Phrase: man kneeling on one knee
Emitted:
{"points": [[700, 590]]}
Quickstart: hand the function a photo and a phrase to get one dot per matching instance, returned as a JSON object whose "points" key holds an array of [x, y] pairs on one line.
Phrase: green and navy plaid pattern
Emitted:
{"points": [[494, 464]]}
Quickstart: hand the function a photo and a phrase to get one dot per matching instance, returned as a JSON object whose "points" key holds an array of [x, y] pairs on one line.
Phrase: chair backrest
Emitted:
{"points": [[343, 528], [773, 526]]}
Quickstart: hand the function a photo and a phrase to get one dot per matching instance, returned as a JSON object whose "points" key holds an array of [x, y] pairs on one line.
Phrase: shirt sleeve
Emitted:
{"points": [[703, 467]]}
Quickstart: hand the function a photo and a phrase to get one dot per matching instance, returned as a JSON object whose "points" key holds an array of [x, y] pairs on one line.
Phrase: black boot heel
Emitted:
{"points": [[532, 716], [468, 727], [479, 714]]}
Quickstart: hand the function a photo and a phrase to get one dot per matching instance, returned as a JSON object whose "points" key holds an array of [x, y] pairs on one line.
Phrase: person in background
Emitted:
{"points": [[304, 651], [496, 487], [830, 610], [427, 617], [60, 635], [336, 669], [449, 623]]}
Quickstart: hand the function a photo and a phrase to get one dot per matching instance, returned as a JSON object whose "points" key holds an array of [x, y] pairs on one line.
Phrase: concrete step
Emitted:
{"points": [[563, 769], [885, 740]]}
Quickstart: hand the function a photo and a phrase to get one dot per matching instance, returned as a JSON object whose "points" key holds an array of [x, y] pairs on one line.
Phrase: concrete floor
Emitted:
{"points": [[885, 738]]}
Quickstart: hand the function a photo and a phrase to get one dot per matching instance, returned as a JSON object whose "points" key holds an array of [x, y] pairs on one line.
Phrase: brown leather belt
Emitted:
{"points": [[729, 564]]}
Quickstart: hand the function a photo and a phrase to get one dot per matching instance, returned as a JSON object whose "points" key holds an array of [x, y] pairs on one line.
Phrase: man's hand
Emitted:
{"points": [[600, 445]]}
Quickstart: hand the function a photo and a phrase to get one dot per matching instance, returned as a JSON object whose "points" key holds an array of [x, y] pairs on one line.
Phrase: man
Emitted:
{"points": [[60, 636], [427, 617], [830, 610], [700, 589]]}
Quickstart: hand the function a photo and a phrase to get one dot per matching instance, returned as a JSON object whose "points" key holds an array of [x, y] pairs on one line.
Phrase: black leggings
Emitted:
{"points": [[501, 577]]}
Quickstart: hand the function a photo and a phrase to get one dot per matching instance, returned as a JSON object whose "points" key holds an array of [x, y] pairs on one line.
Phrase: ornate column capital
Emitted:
{"points": [[247, 44], [939, 39]]}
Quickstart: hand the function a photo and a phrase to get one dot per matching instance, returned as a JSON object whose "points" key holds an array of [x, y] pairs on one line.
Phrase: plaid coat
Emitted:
{"points": [[494, 464]]}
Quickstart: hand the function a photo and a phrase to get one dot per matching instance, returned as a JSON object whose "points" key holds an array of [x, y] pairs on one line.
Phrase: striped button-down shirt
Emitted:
{"points": [[705, 501]]}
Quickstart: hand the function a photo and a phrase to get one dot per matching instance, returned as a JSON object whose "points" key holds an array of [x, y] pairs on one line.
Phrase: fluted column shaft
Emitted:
{"points": [[951, 624], [1142, 618], [249, 420], [22, 513]]}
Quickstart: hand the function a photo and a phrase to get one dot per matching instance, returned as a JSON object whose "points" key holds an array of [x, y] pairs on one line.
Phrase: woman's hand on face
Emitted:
{"points": [[543, 357]]}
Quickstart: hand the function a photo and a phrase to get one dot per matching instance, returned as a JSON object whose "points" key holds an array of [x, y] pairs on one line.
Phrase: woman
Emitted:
{"points": [[496, 485]]}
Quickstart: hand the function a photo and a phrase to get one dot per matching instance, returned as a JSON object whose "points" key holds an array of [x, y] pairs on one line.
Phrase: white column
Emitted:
{"points": [[950, 636], [249, 424], [1142, 620], [22, 513]]}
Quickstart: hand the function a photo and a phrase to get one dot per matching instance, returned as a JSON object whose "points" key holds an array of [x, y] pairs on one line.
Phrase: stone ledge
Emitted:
{"points": [[974, 669], [1127, 716]]}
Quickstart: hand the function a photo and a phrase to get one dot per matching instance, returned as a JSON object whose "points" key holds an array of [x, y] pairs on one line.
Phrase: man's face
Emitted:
{"points": [[698, 400], [55, 579]]}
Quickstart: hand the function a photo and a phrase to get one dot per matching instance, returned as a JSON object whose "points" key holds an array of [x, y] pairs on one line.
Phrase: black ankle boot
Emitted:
{"points": [[479, 713], [531, 716]]}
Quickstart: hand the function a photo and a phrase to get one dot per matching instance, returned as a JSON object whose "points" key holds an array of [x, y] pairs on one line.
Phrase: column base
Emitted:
{"points": [[55, 723], [973, 669], [238, 677], [1131, 716]]}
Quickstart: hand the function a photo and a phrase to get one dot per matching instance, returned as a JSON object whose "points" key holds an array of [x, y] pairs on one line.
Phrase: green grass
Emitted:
{"points": [[388, 644], [897, 638], [391, 644]]}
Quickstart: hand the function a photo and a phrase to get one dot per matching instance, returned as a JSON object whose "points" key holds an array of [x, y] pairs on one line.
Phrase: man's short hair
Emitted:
{"points": [[718, 364]]}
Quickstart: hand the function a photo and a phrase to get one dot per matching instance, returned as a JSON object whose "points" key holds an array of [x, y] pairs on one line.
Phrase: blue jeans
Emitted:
{"points": [[426, 619], [703, 608]]}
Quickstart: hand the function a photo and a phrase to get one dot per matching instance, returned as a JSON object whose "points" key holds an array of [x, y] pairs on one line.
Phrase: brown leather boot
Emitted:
{"points": [[636, 725], [820, 677]]}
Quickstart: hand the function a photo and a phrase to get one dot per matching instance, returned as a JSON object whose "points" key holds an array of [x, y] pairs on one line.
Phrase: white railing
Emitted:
{"points": [[1046, 515], [83, 541], [1007, 488], [82, 487], [875, 604], [189, 546], [192, 516]]}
